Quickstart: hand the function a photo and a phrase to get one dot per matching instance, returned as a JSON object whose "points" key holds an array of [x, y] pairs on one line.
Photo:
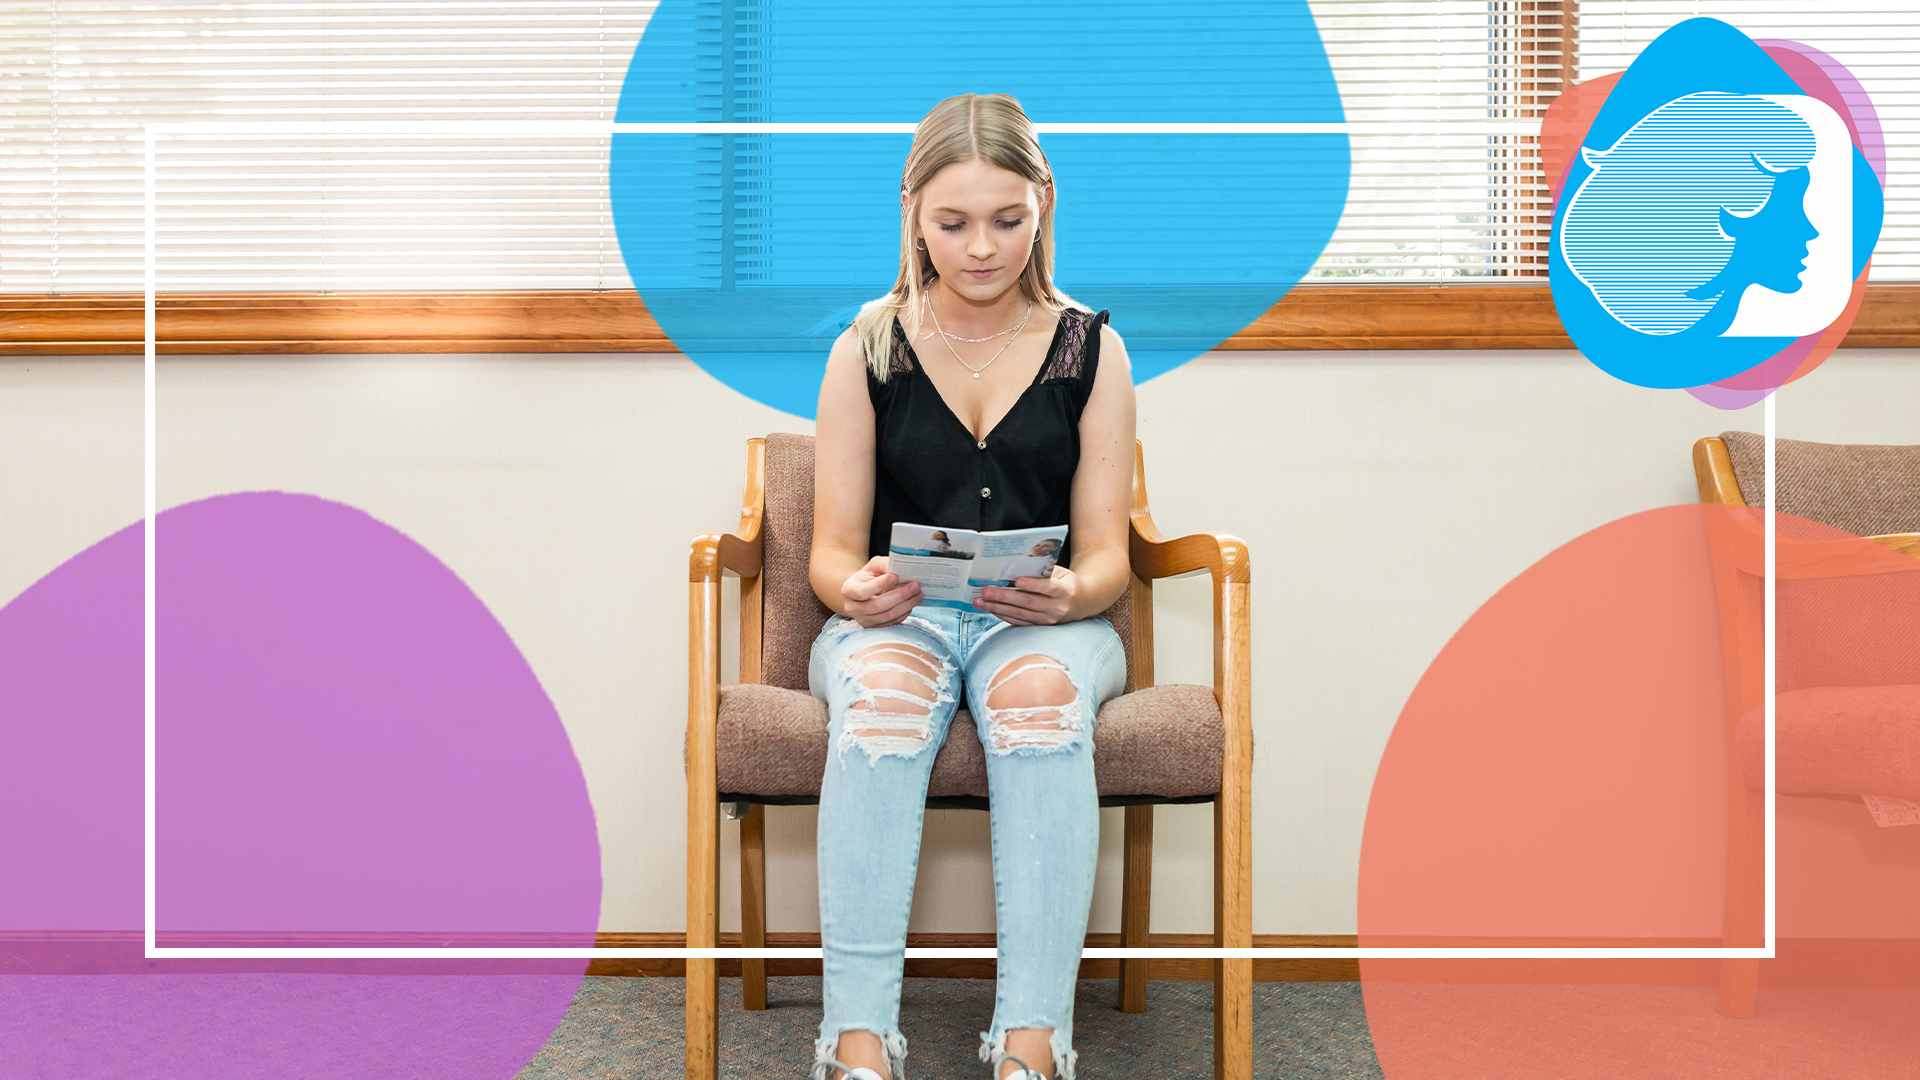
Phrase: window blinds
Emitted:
{"points": [[1442, 95], [1463, 205], [266, 212]]}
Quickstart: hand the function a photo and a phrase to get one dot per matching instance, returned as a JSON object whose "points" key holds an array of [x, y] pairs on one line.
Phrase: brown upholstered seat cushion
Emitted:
{"points": [[1165, 742], [1838, 739], [1866, 490]]}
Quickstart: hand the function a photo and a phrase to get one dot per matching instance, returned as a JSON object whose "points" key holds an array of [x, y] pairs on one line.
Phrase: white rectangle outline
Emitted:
{"points": [[400, 129]]}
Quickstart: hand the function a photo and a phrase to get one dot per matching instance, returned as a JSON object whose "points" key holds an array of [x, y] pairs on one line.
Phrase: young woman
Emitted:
{"points": [[976, 395]]}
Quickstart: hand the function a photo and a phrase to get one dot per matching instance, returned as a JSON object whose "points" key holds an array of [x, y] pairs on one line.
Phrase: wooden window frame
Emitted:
{"points": [[1312, 316]]}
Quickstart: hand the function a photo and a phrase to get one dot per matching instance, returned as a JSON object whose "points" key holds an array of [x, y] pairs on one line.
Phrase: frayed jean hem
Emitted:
{"points": [[993, 1050], [893, 1046]]}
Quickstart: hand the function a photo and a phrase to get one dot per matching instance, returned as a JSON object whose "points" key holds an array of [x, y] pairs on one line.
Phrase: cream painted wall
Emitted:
{"points": [[1385, 496]]}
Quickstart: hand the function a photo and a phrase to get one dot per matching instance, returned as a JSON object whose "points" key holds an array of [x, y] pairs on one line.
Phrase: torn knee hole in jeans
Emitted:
{"points": [[899, 687], [1027, 708]]}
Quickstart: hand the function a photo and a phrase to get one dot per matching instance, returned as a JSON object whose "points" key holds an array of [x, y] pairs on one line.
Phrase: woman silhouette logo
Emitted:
{"points": [[1718, 218], [1700, 200]]}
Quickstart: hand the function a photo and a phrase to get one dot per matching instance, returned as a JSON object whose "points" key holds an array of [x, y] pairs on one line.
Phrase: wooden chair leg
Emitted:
{"points": [[1739, 988], [703, 932], [1746, 901], [1233, 1019], [1233, 818], [703, 1002], [753, 905], [703, 815], [1136, 894], [1232, 929]]}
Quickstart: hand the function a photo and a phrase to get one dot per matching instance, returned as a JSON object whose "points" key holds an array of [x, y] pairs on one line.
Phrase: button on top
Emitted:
{"points": [[982, 444], [986, 493]]}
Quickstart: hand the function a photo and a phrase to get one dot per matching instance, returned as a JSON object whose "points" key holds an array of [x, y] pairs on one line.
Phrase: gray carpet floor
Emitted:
{"points": [[630, 1029]]}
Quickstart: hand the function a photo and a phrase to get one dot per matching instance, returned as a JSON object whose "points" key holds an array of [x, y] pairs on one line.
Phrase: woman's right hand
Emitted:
{"points": [[874, 596]]}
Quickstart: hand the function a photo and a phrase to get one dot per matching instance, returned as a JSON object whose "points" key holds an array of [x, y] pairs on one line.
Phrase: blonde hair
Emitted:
{"points": [[966, 127]]}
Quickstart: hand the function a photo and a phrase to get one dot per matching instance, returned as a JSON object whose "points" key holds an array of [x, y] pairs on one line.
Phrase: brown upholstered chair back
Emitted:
{"points": [[1866, 490], [1836, 631], [793, 615]]}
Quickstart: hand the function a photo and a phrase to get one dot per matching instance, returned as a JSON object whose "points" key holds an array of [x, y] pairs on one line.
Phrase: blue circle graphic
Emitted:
{"points": [[753, 251]]}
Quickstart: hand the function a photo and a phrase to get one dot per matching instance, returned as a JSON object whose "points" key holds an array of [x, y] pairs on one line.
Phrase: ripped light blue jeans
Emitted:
{"points": [[891, 693]]}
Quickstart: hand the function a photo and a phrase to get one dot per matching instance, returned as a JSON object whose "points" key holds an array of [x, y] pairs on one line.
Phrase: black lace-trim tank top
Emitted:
{"points": [[930, 470]]}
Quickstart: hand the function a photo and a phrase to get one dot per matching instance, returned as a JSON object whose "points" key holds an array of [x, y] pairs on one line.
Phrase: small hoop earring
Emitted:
{"points": [[919, 243]]}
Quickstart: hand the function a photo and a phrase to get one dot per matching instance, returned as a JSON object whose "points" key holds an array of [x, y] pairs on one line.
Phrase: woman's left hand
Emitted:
{"points": [[1033, 601]]}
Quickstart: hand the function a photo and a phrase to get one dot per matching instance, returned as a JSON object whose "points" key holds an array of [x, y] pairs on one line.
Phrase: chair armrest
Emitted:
{"points": [[1153, 556], [1740, 538], [715, 554], [1905, 543], [740, 551]]}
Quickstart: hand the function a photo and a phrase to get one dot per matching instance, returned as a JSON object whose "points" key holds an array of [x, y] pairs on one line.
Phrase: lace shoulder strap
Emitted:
{"points": [[1077, 355], [901, 360]]}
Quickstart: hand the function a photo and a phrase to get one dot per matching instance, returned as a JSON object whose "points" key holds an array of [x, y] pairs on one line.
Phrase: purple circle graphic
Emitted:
{"points": [[351, 752]]}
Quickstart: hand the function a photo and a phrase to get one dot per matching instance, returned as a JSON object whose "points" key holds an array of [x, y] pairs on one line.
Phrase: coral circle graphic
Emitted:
{"points": [[1568, 774], [754, 250], [350, 752]]}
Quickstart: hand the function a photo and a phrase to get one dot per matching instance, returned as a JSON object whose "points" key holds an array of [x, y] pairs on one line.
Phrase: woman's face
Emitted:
{"points": [[1771, 246], [979, 222]]}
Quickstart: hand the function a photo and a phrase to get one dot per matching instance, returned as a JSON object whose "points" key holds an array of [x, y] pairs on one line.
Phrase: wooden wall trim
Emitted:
{"points": [[1273, 969], [1800, 961], [1465, 316], [335, 323]]}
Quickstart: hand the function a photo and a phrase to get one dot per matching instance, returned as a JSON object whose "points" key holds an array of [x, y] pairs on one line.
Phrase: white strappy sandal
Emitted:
{"points": [[1024, 1073]]}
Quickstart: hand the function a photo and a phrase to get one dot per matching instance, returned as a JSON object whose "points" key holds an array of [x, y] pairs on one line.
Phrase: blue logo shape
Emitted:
{"points": [[1716, 214], [754, 251]]}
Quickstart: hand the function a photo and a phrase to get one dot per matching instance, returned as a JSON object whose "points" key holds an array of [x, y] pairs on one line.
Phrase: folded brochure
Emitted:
{"points": [[953, 565]]}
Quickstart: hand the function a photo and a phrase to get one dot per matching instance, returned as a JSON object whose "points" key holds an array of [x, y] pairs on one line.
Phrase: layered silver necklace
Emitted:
{"points": [[949, 339]]}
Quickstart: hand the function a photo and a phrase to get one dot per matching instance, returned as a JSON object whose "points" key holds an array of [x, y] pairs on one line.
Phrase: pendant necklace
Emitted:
{"points": [[944, 336]]}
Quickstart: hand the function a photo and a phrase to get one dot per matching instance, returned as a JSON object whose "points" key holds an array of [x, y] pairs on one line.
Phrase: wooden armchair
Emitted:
{"points": [[763, 741], [1833, 700]]}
